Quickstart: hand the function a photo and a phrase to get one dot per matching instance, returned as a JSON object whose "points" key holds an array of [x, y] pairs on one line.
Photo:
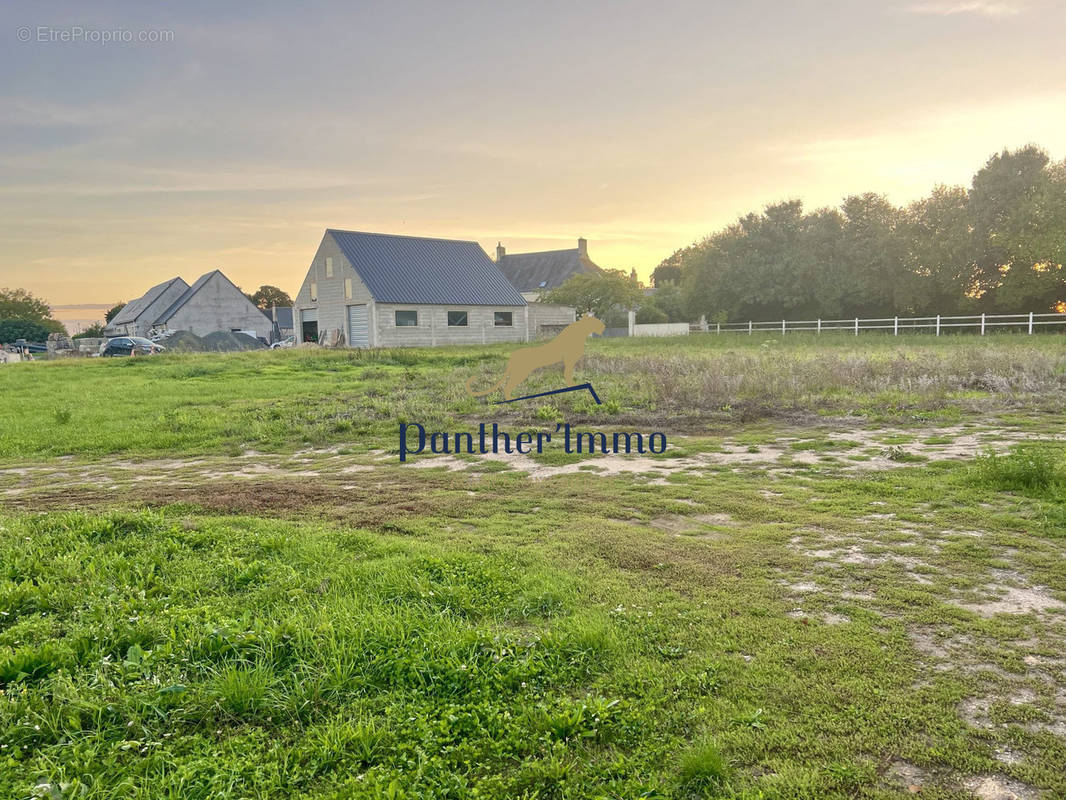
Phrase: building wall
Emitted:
{"points": [[332, 305], [432, 329], [547, 319], [219, 306], [433, 326]]}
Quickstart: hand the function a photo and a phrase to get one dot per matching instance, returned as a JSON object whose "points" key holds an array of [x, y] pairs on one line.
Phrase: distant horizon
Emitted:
{"points": [[233, 141]]}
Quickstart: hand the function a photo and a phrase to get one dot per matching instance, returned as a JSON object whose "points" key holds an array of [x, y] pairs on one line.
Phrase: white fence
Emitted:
{"points": [[896, 325]]}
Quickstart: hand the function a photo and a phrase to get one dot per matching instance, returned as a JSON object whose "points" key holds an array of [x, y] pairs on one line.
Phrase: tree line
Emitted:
{"points": [[996, 247]]}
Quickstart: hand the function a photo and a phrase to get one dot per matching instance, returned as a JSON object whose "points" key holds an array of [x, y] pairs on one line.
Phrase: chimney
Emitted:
{"points": [[501, 251], [582, 248]]}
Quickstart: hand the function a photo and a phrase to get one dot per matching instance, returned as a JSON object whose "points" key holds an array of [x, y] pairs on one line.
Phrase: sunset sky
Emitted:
{"points": [[641, 126]]}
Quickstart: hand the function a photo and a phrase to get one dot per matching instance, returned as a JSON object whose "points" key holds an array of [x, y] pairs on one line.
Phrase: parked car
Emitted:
{"points": [[288, 341], [131, 346]]}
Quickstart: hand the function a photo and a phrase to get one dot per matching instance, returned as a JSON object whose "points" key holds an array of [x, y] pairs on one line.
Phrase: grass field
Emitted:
{"points": [[845, 577]]}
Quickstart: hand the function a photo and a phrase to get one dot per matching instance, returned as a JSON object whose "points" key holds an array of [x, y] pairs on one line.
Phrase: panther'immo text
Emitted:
{"points": [[490, 439]]}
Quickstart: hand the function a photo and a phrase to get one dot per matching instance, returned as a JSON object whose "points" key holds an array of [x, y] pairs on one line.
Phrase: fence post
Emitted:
{"points": [[856, 326], [1030, 323], [749, 327], [819, 325], [718, 328], [895, 327], [782, 326], [937, 324], [982, 324]]}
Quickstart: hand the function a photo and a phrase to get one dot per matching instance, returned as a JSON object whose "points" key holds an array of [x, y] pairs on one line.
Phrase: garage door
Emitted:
{"points": [[358, 326]]}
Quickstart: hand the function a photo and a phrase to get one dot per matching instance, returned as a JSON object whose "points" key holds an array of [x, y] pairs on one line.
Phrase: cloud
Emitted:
{"points": [[980, 8]]}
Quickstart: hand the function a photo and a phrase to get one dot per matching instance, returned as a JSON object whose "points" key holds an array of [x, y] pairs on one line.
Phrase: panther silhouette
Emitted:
{"points": [[567, 347]]}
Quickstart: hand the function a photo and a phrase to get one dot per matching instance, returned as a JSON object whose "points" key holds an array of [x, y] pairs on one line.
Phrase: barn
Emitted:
{"points": [[384, 290], [137, 316], [214, 303]]}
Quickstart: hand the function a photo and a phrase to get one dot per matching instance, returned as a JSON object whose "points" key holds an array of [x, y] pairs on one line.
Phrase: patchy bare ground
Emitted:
{"points": [[847, 574], [851, 449]]}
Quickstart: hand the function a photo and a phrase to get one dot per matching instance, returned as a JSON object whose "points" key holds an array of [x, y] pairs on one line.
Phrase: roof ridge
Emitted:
{"points": [[402, 236], [541, 252]]}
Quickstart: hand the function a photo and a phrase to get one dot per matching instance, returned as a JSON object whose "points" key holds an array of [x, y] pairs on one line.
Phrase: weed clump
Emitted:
{"points": [[1028, 468], [703, 769]]}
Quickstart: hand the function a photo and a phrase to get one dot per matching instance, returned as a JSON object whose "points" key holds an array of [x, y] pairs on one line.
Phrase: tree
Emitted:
{"points": [[668, 301], [31, 330], [113, 312], [995, 247], [20, 304], [266, 297], [94, 331], [604, 294]]}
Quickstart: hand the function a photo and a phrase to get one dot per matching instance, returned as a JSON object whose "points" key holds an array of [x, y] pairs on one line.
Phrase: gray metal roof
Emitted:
{"points": [[135, 308], [545, 270], [418, 271]]}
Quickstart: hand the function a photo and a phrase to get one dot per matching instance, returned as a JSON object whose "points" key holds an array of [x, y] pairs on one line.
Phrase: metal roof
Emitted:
{"points": [[418, 271], [545, 270], [135, 308]]}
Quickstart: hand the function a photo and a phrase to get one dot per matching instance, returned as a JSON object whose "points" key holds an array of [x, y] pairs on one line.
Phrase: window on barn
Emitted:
{"points": [[502, 319], [406, 319], [329, 266], [314, 292], [347, 288], [457, 319]]}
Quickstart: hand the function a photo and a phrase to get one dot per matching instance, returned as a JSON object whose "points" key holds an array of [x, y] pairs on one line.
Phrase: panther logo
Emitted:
{"points": [[567, 347]]}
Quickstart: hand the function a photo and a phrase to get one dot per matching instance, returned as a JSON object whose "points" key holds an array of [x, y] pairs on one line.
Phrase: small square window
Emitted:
{"points": [[406, 319], [457, 319], [347, 288], [314, 292], [502, 319], [329, 266]]}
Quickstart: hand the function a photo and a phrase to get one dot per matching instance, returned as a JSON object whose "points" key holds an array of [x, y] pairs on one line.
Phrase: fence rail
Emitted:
{"points": [[938, 324]]}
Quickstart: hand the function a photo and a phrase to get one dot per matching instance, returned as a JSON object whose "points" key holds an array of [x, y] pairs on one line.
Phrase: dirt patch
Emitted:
{"points": [[1015, 600], [910, 776], [681, 524], [373, 503], [998, 787]]}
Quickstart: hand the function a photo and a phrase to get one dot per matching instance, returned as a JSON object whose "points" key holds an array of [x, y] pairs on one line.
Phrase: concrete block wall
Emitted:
{"points": [[433, 328], [332, 305], [219, 306]]}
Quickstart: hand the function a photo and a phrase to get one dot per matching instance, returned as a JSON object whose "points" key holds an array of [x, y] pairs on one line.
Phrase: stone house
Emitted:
{"points": [[535, 273]]}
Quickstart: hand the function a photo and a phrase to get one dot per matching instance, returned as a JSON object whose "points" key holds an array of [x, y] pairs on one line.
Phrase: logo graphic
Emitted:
{"points": [[567, 348]]}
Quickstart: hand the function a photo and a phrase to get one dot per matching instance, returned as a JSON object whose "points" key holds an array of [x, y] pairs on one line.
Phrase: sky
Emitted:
{"points": [[235, 133]]}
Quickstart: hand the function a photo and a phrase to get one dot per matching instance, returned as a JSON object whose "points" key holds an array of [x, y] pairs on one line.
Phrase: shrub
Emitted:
{"points": [[1026, 468]]}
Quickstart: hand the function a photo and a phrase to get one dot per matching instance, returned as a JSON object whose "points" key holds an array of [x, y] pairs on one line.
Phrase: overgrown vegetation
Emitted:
{"points": [[273, 401], [1034, 468]]}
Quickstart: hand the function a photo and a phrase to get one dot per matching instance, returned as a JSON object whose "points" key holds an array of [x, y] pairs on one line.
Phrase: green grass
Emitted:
{"points": [[764, 630], [276, 401]]}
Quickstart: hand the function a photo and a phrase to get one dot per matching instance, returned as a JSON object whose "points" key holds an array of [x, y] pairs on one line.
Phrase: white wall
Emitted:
{"points": [[662, 329]]}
